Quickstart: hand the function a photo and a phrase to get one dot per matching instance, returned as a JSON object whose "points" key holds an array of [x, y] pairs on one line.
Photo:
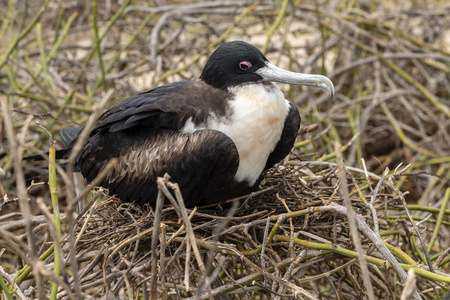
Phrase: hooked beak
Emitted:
{"points": [[274, 74]]}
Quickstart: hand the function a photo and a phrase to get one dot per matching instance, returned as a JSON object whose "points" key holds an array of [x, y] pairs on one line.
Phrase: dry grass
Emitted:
{"points": [[297, 237]]}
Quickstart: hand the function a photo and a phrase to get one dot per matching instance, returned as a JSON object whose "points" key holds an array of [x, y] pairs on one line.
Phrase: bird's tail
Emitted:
{"points": [[60, 154], [68, 136]]}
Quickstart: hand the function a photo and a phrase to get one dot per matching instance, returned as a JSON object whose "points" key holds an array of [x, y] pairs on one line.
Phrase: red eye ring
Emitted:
{"points": [[245, 65]]}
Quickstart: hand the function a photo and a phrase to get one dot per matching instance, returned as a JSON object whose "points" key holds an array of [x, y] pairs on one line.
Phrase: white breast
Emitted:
{"points": [[255, 123]]}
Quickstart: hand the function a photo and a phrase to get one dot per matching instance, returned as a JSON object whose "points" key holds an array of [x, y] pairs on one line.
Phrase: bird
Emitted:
{"points": [[214, 135]]}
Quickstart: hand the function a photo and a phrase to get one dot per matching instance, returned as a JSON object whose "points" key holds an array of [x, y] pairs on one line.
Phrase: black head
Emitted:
{"points": [[233, 63]]}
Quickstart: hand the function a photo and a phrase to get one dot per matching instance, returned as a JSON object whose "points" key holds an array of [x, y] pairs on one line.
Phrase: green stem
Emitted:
{"points": [[4, 287], [56, 215], [211, 46], [275, 25], [439, 219], [123, 49], [51, 54], [419, 208], [86, 62], [22, 274], [23, 34], [97, 43], [376, 261], [402, 135]]}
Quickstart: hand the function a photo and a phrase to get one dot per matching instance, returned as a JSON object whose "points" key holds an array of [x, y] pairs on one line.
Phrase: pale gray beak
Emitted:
{"points": [[274, 74]]}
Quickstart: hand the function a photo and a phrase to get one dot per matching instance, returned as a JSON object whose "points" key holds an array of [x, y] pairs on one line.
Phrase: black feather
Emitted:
{"points": [[68, 135], [287, 139]]}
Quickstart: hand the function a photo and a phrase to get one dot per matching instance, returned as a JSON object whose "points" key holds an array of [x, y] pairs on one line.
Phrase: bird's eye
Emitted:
{"points": [[245, 65]]}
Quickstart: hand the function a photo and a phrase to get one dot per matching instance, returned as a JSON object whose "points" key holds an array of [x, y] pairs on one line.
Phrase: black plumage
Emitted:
{"points": [[186, 129]]}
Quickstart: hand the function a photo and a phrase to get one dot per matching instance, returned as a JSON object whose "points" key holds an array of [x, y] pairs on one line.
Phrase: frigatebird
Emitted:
{"points": [[214, 135]]}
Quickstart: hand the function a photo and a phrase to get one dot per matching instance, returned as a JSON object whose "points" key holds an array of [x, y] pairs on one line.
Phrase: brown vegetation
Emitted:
{"points": [[369, 173]]}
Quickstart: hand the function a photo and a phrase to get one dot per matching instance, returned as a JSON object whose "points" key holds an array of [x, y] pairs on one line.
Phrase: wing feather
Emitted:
{"points": [[203, 163], [168, 106]]}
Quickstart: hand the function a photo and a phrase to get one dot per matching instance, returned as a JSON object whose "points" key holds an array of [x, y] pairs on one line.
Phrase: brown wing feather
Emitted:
{"points": [[203, 163]]}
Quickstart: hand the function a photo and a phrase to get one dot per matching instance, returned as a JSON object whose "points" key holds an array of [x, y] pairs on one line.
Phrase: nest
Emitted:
{"points": [[292, 238]]}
